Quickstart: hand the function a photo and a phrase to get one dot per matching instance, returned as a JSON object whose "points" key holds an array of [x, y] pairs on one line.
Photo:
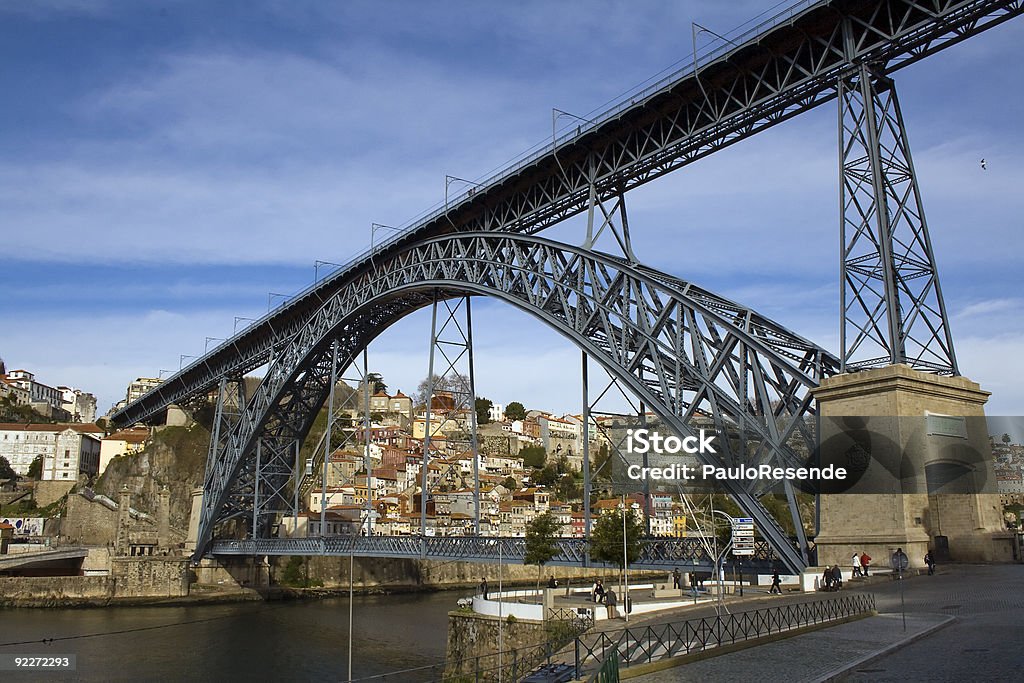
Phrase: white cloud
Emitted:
{"points": [[253, 153]]}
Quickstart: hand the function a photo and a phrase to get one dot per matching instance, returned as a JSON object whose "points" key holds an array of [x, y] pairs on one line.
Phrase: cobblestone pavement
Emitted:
{"points": [[983, 641]]}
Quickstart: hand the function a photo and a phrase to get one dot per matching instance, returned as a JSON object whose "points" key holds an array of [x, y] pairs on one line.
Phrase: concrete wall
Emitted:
{"points": [[88, 523], [473, 641], [240, 573], [54, 591], [875, 422], [51, 491], [137, 577], [402, 574]]}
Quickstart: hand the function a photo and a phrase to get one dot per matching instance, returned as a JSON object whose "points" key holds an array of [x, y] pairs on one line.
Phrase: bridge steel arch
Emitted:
{"points": [[681, 349]]}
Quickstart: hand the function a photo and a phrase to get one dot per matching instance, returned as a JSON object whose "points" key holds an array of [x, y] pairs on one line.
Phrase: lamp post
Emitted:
{"points": [[625, 558], [234, 328], [499, 611], [351, 579], [719, 565], [448, 180], [374, 227], [316, 268], [270, 298]]}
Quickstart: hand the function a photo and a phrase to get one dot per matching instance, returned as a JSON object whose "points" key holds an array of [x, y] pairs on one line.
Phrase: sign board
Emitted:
{"points": [[742, 536], [946, 425]]}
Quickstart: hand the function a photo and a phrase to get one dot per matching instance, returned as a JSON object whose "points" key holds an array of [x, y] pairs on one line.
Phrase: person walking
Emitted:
{"points": [[865, 562], [676, 578], [899, 562], [483, 587], [856, 566], [930, 561], [776, 584], [597, 593], [609, 602]]}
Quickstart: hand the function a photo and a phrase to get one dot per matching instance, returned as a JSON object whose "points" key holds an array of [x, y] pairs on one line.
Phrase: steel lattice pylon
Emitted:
{"points": [[891, 303], [682, 350]]}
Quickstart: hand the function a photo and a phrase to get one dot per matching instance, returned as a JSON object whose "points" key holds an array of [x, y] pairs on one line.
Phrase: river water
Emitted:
{"points": [[295, 640]]}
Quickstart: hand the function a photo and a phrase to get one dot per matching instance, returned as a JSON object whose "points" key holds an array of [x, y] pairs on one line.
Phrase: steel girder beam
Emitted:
{"points": [[785, 66], [681, 349], [890, 300]]}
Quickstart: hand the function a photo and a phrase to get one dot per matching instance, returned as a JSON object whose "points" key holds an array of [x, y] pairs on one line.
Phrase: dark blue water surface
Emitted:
{"points": [[301, 641]]}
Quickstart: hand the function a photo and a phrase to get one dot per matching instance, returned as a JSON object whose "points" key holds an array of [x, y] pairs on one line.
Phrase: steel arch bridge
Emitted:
{"points": [[681, 349]]}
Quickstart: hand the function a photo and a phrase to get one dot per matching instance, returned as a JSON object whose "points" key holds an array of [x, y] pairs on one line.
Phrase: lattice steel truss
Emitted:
{"points": [[891, 302], [680, 349], [787, 65], [451, 348], [655, 553]]}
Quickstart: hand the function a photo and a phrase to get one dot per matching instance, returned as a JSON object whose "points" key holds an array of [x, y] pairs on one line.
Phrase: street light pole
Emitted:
{"points": [[351, 579], [499, 610], [625, 563]]}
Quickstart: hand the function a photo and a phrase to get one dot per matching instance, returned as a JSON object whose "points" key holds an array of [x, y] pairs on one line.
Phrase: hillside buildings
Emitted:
{"points": [[68, 450]]}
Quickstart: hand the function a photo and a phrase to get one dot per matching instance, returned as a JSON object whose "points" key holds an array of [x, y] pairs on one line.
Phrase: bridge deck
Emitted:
{"points": [[687, 554], [786, 65]]}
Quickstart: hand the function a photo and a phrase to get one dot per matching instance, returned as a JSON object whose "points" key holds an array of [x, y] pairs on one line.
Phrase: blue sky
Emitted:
{"points": [[164, 166]]}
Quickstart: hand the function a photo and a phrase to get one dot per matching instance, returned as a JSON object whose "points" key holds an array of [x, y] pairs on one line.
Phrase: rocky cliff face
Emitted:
{"points": [[175, 457]]}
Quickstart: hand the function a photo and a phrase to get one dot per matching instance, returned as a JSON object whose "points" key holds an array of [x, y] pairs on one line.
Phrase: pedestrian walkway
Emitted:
{"points": [[821, 655]]}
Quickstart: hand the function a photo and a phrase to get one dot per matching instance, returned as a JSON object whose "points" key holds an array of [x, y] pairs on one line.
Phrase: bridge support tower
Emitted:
{"points": [[917, 446]]}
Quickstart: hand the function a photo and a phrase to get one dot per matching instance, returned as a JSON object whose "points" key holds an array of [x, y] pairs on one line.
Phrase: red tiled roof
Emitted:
{"points": [[80, 427]]}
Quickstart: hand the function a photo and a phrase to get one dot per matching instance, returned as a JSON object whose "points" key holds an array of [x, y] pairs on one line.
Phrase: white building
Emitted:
{"points": [[42, 397], [496, 412], [141, 386], [67, 449], [79, 404]]}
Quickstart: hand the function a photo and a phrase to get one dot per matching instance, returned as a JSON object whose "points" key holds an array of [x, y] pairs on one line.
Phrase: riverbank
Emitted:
{"points": [[373, 577]]}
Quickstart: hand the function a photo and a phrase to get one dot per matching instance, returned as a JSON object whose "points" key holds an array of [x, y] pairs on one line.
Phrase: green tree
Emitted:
{"points": [[548, 476], [510, 483], [376, 382], [602, 468], [606, 540], [540, 542], [533, 456], [6, 471], [515, 411], [35, 469], [569, 488], [483, 410]]}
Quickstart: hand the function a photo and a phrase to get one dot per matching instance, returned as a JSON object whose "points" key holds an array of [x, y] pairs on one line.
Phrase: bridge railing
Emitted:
{"points": [[687, 554], [661, 641]]}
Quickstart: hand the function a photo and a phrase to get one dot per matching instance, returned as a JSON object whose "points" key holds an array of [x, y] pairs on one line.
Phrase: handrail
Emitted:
{"points": [[662, 641]]}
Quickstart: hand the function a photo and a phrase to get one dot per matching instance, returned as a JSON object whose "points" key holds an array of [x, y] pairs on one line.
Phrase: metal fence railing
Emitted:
{"points": [[633, 646]]}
